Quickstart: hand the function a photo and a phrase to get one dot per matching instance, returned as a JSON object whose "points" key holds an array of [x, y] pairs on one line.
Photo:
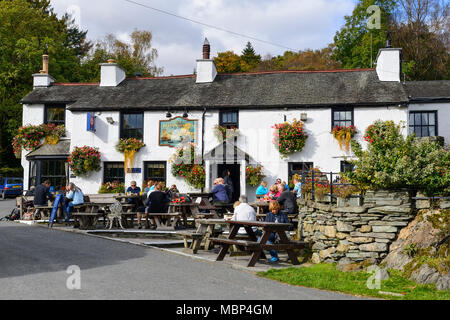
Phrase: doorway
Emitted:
{"points": [[235, 170]]}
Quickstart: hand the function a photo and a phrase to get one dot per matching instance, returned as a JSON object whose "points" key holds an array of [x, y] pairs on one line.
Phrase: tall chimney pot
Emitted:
{"points": [[44, 64], [206, 50]]}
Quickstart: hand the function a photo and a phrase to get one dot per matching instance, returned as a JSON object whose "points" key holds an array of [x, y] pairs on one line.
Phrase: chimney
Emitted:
{"points": [[206, 67], [389, 64], [111, 74], [43, 79]]}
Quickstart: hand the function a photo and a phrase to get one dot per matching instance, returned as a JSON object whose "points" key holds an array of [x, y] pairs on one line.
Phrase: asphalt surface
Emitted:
{"points": [[34, 262]]}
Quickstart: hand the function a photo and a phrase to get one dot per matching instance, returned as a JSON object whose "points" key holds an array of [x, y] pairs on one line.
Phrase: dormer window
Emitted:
{"points": [[55, 114]]}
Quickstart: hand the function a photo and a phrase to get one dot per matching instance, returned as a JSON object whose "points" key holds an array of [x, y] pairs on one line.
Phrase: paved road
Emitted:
{"points": [[34, 261]]}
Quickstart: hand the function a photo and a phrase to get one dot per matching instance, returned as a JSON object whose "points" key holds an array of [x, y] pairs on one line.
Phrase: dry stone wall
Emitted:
{"points": [[355, 233]]}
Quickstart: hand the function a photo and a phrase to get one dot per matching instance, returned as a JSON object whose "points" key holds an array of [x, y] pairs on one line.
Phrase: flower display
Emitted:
{"points": [[31, 138], [186, 165], [179, 200], [254, 175], [112, 187], [223, 133], [344, 135], [289, 137], [84, 160], [129, 147]]}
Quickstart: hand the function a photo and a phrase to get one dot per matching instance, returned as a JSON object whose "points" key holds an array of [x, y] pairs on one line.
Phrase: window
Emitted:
{"points": [[113, 171], [299, 168], [132, 125], [55, 115], [56, 171], [342, 117], [346, 166], [155, 171], [229, 119], [423, 123]]}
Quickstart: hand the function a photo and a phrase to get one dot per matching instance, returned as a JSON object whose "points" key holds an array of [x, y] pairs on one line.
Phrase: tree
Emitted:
{"points": [[250, 58], [137, 57], [228, 62], [21, 46], [422, 29], [356, 46]]}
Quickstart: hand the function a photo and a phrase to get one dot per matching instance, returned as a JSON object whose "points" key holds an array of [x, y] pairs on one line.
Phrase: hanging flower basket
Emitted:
{"points": [[31, 138], [224, 134], [129, 147], [289, 137], [254, 175], [84, 160], [344, 135], [185, 164]]}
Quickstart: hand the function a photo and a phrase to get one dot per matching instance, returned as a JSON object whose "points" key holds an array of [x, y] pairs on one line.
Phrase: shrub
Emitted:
{"points": [[114, 187]]}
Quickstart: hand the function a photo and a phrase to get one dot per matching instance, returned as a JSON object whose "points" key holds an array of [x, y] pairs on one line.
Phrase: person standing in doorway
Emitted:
{"points": [[228, 181]]}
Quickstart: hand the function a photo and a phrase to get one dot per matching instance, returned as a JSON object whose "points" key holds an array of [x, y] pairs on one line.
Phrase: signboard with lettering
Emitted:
{"points": [[174, 131]]}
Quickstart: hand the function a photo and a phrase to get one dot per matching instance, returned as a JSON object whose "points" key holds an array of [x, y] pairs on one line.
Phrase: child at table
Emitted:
{"points": [[273, 193], [275, 216]]}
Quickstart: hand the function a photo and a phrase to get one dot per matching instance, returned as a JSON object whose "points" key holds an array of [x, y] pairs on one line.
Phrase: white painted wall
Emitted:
{"points": [[256, 139], [443, 116]]}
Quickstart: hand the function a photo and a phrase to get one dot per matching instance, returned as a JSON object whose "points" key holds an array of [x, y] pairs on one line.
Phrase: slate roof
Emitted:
{"points": [[62, 148], [251, 90], [431, 91]]}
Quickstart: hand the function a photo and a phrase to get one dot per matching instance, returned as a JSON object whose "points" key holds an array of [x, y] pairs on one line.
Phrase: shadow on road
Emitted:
{"points": [[30, 250]]}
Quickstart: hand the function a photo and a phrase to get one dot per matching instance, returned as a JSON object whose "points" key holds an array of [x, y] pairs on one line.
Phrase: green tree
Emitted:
{"points": [[250, 58], [29, 29], [356, 46], [228, 62]]}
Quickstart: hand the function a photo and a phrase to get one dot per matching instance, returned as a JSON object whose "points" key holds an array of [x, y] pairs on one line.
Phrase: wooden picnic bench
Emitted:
{"points": [[256, 246], [205, 231], [166, 221]]}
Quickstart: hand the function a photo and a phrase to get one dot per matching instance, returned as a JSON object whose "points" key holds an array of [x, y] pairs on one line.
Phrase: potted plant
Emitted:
{"points": [[344, 135], [129, 147], [224, 134], [84, 160], [289, 137], [254, 175]]}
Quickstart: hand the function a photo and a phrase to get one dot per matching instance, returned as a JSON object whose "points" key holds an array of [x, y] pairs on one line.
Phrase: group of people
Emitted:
{"points": [[244, 212], [278, 188]]}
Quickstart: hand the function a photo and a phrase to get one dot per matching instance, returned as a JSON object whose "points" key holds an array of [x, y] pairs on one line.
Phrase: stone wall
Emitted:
{"points": [[355, 233]]}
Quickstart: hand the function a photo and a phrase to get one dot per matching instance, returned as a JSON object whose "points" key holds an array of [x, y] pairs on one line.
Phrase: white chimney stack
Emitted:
{"points": [[111, 74], [206, 67], [389, 64], [43, 79]]}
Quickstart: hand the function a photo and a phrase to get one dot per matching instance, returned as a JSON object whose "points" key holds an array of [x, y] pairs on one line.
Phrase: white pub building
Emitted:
{"points": [[153, 109]]}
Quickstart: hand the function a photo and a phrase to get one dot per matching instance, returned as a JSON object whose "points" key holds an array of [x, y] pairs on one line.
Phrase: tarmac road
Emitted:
{"points": [[34, 262]]}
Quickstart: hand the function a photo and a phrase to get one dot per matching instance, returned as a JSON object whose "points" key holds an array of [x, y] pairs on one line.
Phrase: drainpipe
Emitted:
{"points": [[203, 137]]}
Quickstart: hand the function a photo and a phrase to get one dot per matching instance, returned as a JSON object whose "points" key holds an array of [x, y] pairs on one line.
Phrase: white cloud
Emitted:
{"points": [[297, 24]]}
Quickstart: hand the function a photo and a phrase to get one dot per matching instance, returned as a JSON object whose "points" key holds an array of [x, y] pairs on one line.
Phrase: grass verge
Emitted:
{"points": [[328, 277]]}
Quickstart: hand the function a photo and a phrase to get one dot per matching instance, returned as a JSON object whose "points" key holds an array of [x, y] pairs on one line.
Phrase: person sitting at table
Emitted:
{"points": [[42, 194], [286, 185], [274, 216], [134, 189], [273, 193], [298, 187], [262, 189], [77, 197], [173, 192], [148, 187], [157, 202], [244, 212], [289, 201], [220, 194]]}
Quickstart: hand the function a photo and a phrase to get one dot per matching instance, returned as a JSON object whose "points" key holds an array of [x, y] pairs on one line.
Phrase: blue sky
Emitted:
{"points": [[298, 24]]}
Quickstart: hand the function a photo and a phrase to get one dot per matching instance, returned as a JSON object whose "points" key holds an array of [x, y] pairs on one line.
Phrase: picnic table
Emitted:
{"points": [[182, 207], [262, 217], [205, 231], [262, 207], [257, 246], [204, 202], [166, 221]]}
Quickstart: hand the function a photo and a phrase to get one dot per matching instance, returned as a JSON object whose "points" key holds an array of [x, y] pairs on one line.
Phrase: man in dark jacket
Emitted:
{"points": [[289, 201], [42, 194]]}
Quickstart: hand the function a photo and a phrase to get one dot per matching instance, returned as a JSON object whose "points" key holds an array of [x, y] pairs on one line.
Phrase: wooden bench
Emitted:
{"points": [[44, 211], [195, 243], [166, 221], [86, 220], [206, 229]]}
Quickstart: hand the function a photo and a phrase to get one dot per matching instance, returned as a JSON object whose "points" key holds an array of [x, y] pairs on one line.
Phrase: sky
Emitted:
{"points": [[295, 24]]}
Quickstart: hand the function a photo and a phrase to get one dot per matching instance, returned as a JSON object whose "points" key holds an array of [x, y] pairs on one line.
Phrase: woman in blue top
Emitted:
{"points": [[262, 189], [76, 195]]}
